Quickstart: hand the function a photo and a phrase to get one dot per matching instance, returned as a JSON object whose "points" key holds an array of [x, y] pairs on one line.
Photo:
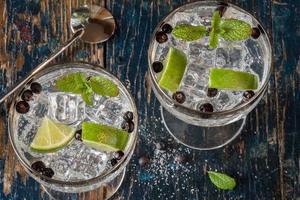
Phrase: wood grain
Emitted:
{"points": [[264, 158]]}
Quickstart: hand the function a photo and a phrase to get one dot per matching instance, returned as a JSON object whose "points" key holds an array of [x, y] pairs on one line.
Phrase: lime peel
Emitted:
{"points": [[103, 137], [175, 65], [232, 80]]}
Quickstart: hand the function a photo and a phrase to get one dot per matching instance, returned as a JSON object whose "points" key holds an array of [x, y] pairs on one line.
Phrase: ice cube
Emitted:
{"points": [[194, 16], [89, 162], [233, 56], [28, 130], [200, 53], [254, 58], [236, 56], [179, 44], [221, 57], [189, 80], [227, 100], [38, 106], [186, 18], [108, 111], [66, 108], [194, 84], [232, 13], [161, 54], [77, 161]]}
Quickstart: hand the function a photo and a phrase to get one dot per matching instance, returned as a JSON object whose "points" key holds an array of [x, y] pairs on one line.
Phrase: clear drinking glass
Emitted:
{"points": [[209, 130], [77, 167]]}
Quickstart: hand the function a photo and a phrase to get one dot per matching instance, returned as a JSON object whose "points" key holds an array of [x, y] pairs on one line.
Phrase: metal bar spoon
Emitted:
{"points": [[93, 24]]}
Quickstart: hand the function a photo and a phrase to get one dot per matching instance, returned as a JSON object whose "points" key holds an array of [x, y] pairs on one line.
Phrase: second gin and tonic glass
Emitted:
{"points": [[187, 121]]}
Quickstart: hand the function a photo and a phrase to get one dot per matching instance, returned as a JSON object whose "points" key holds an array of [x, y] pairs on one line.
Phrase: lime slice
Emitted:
{"points": [[103, 137], [51, 136], [232, 80], [175, 65]]}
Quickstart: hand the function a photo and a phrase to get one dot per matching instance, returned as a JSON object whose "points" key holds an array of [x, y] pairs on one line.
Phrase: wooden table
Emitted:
{"points": [[264, 158]]}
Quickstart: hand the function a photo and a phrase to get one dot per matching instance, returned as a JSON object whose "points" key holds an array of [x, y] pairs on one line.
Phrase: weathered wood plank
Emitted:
{"points": [[285, 38]]}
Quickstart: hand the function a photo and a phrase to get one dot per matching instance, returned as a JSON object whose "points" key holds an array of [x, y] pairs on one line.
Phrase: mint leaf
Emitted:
{"points": [[103, 86], [74, 83], [213, 40], [215, 30], [189, 32], [221, 181], [235, 30], [87, 96]]}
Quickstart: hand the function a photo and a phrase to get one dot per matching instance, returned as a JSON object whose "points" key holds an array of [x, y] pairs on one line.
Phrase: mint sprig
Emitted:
{"points": [[215, 30], [189, 32], [229, 29], [222, 181], [77, 83]]}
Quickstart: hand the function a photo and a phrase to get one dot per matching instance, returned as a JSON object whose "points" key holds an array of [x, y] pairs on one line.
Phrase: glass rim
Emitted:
{"points": [[173, 104], [102, 177]]}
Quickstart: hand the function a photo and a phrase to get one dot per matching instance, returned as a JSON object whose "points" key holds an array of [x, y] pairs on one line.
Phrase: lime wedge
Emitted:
{"points": [[103, 137], [51, 136], [232, 80], [173, 71]]}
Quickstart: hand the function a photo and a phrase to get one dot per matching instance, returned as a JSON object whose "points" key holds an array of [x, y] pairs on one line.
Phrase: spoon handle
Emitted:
{"points": [[41, 66]]}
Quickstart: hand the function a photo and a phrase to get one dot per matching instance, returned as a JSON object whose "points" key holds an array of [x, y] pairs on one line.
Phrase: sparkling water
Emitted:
{"points": [[76, 161], [248, 56]]}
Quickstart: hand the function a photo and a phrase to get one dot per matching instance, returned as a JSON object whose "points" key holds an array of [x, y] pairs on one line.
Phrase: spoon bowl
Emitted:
{"points": [[98, 23]]}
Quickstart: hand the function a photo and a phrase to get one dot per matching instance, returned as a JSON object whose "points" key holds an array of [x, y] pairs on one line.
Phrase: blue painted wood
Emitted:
{"points": [[264, 158]]}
